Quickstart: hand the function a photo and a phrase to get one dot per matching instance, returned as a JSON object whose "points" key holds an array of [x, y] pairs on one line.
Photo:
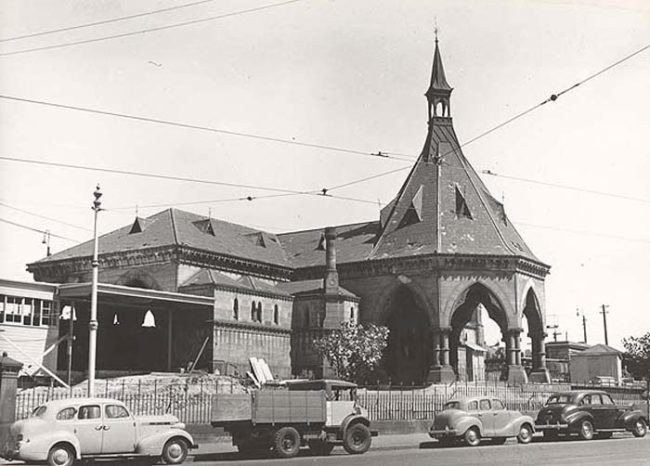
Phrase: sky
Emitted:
{"points": [[350, 75]]}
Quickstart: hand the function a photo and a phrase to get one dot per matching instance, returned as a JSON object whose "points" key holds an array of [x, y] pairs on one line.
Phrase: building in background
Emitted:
{"points": [[600, 364]]}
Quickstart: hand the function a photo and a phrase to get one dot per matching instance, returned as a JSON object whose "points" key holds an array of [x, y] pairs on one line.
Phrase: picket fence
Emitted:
{"points": [[193, 404]]}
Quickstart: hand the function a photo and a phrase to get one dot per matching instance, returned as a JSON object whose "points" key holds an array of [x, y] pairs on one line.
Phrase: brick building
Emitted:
{"points": [[443, 247]]}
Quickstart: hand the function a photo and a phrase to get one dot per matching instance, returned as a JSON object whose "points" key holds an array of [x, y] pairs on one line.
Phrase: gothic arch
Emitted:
{"points": [[495, 303], [532, 311], [138, 279], [419, 294]]}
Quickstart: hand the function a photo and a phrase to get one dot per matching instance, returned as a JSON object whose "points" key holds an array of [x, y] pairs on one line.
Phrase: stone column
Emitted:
{"points": [[516, 372], [9, 369], [440, 370], [539, 373]]}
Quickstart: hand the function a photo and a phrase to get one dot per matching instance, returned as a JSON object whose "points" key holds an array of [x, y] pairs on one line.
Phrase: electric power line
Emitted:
{"points": [[198, 127], [43, 217], [144, 31], [105, 21], [584, 232], [26, 227]]}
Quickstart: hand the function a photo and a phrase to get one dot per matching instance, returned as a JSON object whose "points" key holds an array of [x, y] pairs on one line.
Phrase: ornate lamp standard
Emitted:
{"points": [[92, 325]]}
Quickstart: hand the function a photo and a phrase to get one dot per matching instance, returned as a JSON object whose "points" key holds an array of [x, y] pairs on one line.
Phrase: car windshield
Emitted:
{"points": [[452, 405], [555, 399], [39, 411]]}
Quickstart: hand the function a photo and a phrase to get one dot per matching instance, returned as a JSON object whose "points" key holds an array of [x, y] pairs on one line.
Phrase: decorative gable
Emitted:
{"points": [[138, 226], [204, 226], [414, 212]]}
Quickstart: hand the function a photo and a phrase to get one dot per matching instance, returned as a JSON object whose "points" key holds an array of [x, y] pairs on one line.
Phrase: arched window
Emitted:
{"points": [[276, 315], [259, 311], [351, 314], [253, 311], [235, 309]]}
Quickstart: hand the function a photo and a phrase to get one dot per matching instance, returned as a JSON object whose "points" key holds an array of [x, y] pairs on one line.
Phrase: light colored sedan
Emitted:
{"points": [[473, 419], [62, 431]]}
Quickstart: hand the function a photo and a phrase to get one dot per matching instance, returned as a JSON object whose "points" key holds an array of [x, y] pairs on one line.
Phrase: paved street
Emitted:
{"points": [[416, 449], [624, 450]]}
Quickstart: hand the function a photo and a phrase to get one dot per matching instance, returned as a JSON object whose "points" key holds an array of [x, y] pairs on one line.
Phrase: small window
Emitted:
{"points": [[116, 412], [497, 405], [485, 405], [595, 400], [39, 411], [472, 406], [36, 321], [351, 314], [90, 412], [66, 414], [462, 210], [253, 311], [276, 315], [235, 309], [607, 400], [47, 316]]}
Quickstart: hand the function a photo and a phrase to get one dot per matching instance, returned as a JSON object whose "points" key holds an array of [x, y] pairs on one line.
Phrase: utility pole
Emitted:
{"points": [[92, 325], [579, 313], [604, 312]]}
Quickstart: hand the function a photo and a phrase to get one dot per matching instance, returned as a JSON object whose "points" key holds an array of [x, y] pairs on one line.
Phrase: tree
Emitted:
{"points": [[354, 350], [637, 355]]}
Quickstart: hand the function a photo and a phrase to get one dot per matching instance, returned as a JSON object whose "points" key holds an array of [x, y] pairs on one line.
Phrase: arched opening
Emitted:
{"points": [[534, 352], [408, 355], [470, 356]]}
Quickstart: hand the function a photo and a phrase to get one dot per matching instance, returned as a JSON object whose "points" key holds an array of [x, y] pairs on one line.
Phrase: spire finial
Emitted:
{"points": [[435, 28]]}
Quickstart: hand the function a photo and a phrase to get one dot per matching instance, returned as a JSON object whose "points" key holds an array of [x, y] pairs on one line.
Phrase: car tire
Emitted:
{"points": [[640, 428], [586, 430], [320, 448], [286, 442], [175, 451], [525, 435], [472, 437], [357, 439], [61, 454]]}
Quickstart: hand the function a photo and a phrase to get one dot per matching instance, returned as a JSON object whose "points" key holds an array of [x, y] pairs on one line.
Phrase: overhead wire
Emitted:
{"points": [[583, 232], [378, 154], [3, 204], [148, 30], [36, 230], [105, 21]]}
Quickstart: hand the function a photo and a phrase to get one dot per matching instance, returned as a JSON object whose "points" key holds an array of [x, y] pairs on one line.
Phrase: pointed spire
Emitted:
{"points": [[439, 82]]}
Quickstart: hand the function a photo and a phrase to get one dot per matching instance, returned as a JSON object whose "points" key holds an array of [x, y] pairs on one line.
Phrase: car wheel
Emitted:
{"points": [[586, 431], [640, 428], [472, 437], [61, 455], [525, 434], [175, 451], [357, 439], [320, 448], [286, 442]]}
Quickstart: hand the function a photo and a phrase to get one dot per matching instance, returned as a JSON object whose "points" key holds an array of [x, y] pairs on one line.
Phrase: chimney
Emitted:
{"points": [[331, 275]]}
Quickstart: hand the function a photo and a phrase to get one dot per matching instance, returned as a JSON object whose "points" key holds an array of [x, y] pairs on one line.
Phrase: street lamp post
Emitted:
{"points": [[92, 325]]}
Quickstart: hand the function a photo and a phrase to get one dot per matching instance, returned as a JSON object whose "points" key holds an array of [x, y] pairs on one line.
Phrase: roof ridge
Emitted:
{"points": [[322, 228], [173, 222]]}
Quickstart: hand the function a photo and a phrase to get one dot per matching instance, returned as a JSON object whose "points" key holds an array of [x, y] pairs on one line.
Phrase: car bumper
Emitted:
{"points": [[442, 433], [551, 426]]}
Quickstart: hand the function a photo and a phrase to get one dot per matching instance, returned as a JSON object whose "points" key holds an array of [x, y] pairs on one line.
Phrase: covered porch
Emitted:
{"points": [[139, 329]]}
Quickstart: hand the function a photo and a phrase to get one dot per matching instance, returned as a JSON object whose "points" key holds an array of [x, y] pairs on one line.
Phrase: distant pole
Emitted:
{"points": [[580, 313], [92, 325], [604, 313]]}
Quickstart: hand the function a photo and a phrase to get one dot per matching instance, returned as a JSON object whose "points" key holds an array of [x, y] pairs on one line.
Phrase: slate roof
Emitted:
{"points": [[174, 227], [438, 78], [247, 283], [600, 349], [309, 287]]}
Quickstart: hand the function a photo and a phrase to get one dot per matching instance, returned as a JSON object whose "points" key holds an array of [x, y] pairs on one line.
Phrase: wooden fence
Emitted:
{"points": [[192, 404]]}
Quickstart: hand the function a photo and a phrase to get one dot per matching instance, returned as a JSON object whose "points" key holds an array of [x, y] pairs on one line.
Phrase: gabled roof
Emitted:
{"points": [[245, 282], [173, 227], [315, 286], [600, 349]]}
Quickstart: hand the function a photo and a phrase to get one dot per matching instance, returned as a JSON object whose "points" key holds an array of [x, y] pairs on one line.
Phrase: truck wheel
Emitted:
{"points": [[286, 442], [320, 448], [640, 428], [472, 437], [357, 439], [61, 455], [586, 431], [525, 434], [175, 451]]}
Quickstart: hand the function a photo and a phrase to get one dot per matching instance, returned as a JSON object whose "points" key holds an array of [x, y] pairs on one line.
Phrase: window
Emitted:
{"points": [[90, 412], [595, 400], [276, 315], [47, 314], [498, 405], [66, 414], [485, 405], [253, 311], [452, 405], [259, 311], [26, 311], [235, 309], [12, 309], [39, 411], [607, 400], [472, 406], [462, 210], [36, 321], [351, 314], [116, 412]]}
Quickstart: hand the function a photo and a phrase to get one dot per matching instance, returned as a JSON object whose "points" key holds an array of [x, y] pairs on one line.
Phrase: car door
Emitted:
{"points": [[89, 429], [501, 419], [119, 430], [485, 415], [595, 407], [610, 412]]}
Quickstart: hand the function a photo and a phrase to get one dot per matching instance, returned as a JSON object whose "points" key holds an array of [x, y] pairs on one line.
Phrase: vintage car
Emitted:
{"points": [[62, 431], [472, 419], [588, 413]]}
